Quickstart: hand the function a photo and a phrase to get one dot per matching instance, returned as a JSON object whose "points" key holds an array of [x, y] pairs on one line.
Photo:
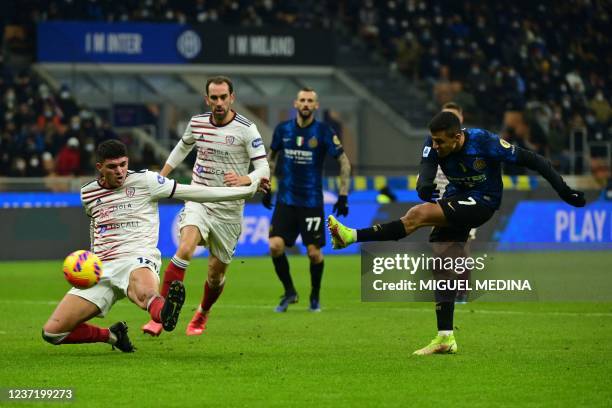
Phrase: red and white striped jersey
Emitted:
{"points": [[125, 220], [220, 150]]}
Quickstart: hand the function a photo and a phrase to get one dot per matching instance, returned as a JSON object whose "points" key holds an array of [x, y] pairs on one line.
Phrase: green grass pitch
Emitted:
{"points": [[351, 354]]}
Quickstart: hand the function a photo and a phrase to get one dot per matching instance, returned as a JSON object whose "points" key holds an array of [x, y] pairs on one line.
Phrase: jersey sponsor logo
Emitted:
{"points": [[204, 153], [101, 229], [257, 142], [426, 151], [130, 191], [479, 164], [468, 181], [505, 144], [208, 170], [107, 212], [161, 179], [336, 140], [313, 142], [299, 141], [299, 156], [229, 140]]}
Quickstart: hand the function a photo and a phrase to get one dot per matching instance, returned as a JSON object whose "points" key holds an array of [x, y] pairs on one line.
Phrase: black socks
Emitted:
{"points": [[391, 231]]}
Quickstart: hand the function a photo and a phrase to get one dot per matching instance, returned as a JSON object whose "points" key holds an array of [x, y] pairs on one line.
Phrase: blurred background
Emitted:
{"points": [[74, 73]]}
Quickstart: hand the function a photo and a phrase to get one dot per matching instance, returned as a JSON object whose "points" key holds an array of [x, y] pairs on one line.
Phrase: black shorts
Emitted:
{"points": [[289, 221], [463, 213]]}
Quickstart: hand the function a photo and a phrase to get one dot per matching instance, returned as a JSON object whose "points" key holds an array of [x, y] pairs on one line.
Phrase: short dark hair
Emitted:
{"points": [[453, 106], [446, 122], [306, 89], [110, 149], [218, 80]]}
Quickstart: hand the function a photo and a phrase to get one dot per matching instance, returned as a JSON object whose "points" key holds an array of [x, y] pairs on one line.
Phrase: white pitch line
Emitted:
{"points": [[398, 309]]}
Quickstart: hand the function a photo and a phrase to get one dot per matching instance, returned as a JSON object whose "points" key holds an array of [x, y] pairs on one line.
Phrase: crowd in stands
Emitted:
{"points": [[548, 60], [302, 13], [541, 68], [43, 133]]}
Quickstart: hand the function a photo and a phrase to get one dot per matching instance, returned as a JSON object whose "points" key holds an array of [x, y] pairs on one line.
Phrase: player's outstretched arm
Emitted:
{"points": [[204, 194], [540, 164]]}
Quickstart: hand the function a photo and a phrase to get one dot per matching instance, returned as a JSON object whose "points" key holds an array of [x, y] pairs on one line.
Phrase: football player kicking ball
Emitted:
{"points": [[471, 160], [122, 206]]}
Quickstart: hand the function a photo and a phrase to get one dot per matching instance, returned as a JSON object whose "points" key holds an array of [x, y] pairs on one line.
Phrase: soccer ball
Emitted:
{"points": [[82, 269]]}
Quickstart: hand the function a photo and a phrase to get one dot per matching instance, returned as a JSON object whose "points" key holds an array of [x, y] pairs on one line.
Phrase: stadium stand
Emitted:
{"points": [[40, 127], [507, 65]]}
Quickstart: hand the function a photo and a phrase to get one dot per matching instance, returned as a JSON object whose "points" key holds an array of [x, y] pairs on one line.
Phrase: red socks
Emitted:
{"points": [[174, 271], [155, 306], [87, 333], [211, 295]]}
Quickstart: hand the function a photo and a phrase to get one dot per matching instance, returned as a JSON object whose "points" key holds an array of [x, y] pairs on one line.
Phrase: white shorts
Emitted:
{"points": [[115, 279], [219, 236]]}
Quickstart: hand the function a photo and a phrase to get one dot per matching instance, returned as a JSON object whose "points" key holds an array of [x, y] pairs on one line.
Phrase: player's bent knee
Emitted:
{"points": [[185, 250], [414, 217], [276, 246], [53, 338], [276, 250], [315, 255]]}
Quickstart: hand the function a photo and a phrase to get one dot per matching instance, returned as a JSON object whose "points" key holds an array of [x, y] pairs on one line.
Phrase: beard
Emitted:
{"points": [[219, 115], [305, 114]]}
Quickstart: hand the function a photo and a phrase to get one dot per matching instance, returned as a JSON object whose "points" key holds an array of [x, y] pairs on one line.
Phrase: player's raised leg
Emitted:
{"points": [[142, 290], [316, 276], [422, 215], [175, 271], [281, 267], [67, 325], [213, 287]]}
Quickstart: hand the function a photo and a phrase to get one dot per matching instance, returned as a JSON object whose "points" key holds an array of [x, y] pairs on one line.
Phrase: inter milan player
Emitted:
{"points": [[303, 143], [471, 160]]}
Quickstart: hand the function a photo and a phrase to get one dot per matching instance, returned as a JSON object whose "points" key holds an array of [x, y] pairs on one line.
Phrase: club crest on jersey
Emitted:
{"points": [[479, 164], [313, 142], [130, 191], [229, 140], [299, 141]]}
